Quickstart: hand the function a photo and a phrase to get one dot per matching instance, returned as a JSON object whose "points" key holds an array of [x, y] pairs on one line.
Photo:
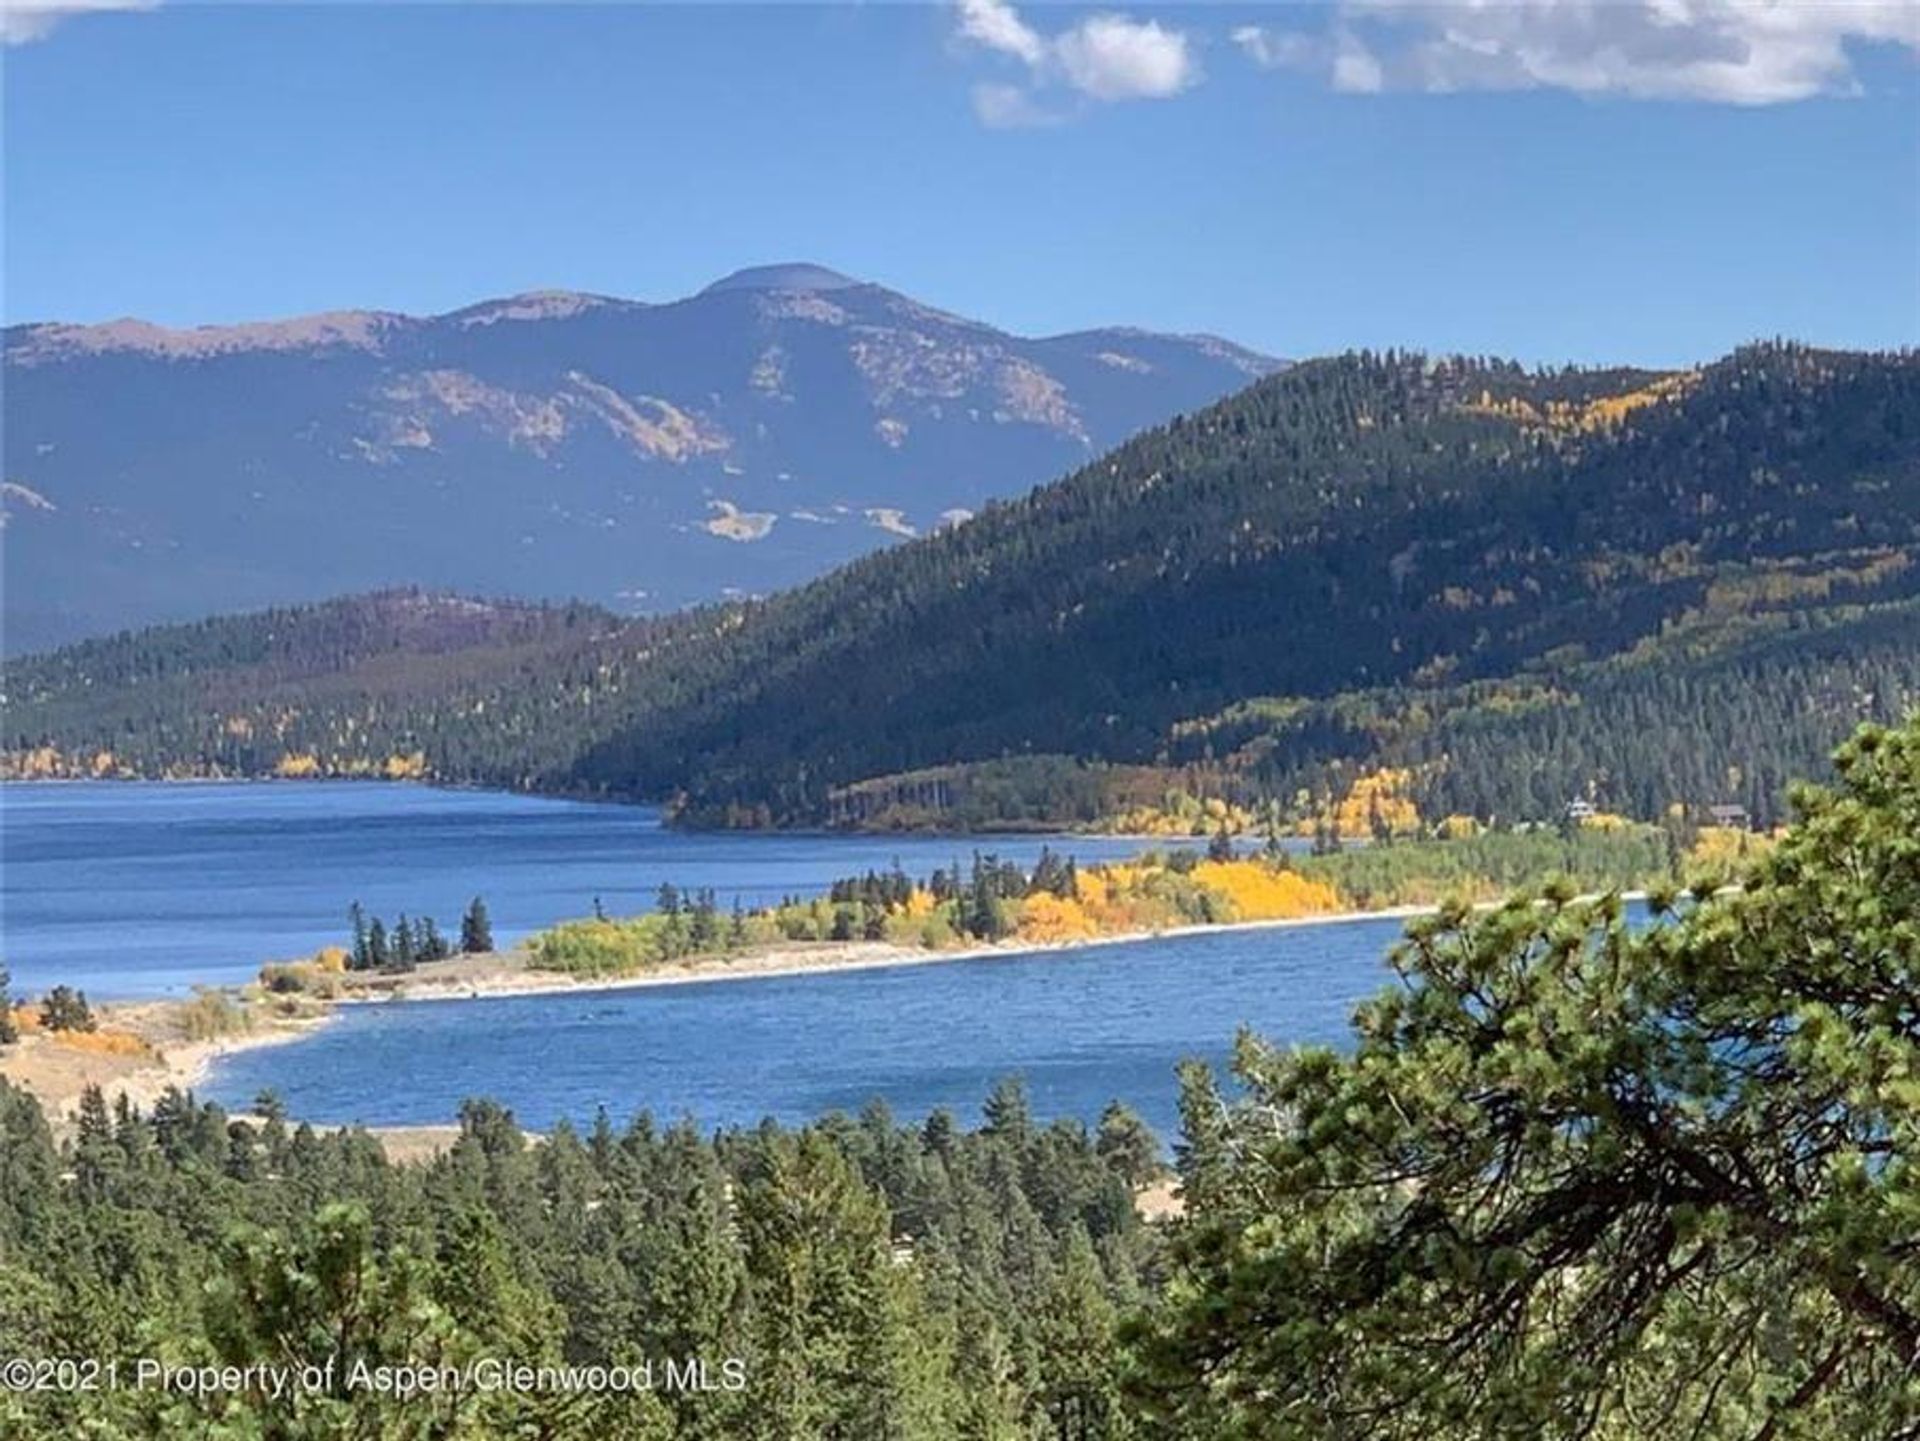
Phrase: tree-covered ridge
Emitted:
{"points": [[397, 682], [1351, 523], [1371, 530]]}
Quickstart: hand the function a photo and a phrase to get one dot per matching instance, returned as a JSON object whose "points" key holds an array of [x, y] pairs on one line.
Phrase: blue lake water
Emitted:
{"points": [[1082, 1027], [129, 889], [146, 889]]}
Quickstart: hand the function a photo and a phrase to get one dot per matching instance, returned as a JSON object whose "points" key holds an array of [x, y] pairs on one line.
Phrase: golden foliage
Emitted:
{"points": [[1258, 892], [1122, 898], [1770, 586], [1045, 917], [102, 1043], [1603, 412], [1720, 847], [37, 763], [1611, 410], [1181, 813], [1377, 800]]}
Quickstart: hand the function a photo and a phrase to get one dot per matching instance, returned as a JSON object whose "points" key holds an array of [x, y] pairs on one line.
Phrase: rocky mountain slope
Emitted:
{"points": [[553, 445]]}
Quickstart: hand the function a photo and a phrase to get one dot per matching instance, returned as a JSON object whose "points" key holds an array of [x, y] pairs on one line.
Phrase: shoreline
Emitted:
{"points": [[188, 1066], [823, 958], [57, 1072], [802, 959], [1051, 831]]}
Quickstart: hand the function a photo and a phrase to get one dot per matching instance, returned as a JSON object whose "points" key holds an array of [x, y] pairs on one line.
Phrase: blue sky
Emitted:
{"points": [[1609, 181]]}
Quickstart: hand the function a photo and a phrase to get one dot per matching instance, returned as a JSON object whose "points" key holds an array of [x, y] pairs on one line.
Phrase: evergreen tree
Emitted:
{"points": [[8, 1032], [476, 929], [1127, 1145], [1079, 1364], [360, 957], [1681, 1208], [1009, 1115], [401, 951], [96, 1156], [703, 929]]}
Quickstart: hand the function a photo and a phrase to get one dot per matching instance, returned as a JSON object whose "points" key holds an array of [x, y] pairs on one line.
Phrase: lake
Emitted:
{"points": [[131, 889], [1082, 1027]]}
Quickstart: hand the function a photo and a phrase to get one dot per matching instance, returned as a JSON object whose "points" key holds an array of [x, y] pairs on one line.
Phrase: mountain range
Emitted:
{"points": [[551, 445], [1491, 590]]}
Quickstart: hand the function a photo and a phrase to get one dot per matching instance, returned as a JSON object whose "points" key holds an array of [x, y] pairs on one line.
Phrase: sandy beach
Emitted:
{"points": [[57, 1068]]}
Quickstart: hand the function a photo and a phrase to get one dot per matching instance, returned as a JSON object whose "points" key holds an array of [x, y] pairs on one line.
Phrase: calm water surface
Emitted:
{"points": [[129, 889], [1083, 1027], [145, 889]]}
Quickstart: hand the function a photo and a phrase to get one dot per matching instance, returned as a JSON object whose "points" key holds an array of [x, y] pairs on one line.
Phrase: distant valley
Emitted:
{"points": [[554, 446]]}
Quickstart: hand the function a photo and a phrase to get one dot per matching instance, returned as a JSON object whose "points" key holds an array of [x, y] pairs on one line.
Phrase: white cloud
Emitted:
{"points": [[1280, 49], [1355, 70], [24, 21], [1008, 107], [1105, 57], [1339, 55], [1111, 57], [998, 26], [1742, 52]]}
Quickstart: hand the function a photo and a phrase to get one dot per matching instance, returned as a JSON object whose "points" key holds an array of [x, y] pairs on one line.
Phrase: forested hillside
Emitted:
{"points": [[1514, 587], [401, 683]]}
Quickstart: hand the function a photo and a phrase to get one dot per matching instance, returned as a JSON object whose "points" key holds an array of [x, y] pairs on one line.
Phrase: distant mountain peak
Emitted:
{"points": [[793, 275], [548, 442]]}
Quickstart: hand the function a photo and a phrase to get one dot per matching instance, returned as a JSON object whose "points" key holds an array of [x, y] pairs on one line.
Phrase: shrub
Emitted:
{"points": [[66, 1009], [212, 1014], [104, 1043]]}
